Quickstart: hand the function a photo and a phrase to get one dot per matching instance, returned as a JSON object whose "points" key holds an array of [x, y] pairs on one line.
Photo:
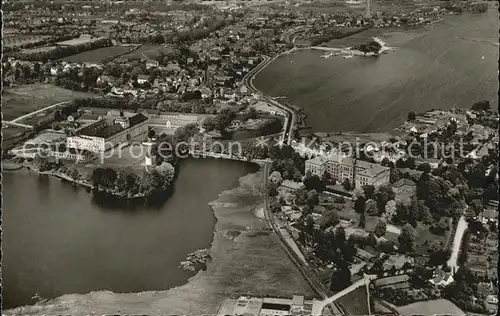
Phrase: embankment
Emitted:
{"points": [[247, 259]]}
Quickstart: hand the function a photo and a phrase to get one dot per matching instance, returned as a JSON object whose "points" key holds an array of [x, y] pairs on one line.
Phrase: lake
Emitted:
{"points": [[448, 64], [57, 239]]}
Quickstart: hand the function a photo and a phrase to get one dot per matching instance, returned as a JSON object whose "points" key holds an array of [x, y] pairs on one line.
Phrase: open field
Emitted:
{"points": [[424, 237], [440, 306], [39, 49], [355, 302], [148, 51], [25, 99], [97, 55], [12, 135], [13, 40], [15, 105], [122, 156], [80, 40]]}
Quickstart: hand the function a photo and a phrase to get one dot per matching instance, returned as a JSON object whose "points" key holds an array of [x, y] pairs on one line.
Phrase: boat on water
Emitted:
{"points": [[347, 56]]}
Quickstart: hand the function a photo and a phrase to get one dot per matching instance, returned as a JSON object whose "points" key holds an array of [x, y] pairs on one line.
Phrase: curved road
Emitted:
{"points": [[291, 117]]}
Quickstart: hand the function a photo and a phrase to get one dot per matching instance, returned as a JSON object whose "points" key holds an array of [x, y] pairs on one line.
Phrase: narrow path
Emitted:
{"points": [[457, 242], [12, 123], [38, 111]]}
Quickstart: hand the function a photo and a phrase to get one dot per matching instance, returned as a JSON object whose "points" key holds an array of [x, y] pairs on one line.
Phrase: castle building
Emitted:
{"points": [[107, 133]]}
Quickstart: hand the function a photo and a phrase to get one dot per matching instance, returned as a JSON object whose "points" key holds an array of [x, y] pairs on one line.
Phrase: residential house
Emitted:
{"points": [[397, 281], [106, 80], [151, 64], [142, 79], [291, 186], [404, 189], [441, 278]]}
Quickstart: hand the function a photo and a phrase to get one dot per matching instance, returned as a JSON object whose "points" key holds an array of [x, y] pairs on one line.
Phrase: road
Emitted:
{"points": [[38, 111], [12, 123], [291, 117], [457, 242]]}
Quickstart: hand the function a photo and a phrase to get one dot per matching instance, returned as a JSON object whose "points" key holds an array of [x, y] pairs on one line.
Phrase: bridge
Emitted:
{"points": [[209, 154], [365, 281]]}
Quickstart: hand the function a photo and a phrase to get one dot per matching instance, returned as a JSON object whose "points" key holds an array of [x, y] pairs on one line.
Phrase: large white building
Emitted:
{"points": [[358, 172], [107, 133]]}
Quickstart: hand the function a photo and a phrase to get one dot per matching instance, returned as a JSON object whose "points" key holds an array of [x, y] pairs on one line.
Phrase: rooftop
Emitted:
{"points": [[103, 128]]}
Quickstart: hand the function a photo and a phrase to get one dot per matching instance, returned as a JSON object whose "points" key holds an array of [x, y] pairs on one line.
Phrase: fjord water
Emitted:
{"points": [[58, 240], [440, 66]]}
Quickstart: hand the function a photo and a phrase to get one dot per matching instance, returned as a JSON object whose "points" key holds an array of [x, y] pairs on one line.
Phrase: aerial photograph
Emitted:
{"points": [[249, 157]]}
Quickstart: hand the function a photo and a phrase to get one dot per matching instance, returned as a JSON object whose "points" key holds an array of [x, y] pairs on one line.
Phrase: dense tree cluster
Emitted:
{"points": [[128, 183], [371, 47], [63, 51]]}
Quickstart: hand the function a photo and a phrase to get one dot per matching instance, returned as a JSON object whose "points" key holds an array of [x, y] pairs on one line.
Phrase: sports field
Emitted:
{"points": [[97, 55], [28, 98]]}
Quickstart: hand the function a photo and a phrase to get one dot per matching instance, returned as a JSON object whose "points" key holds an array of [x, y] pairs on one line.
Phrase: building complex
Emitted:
{"points": [[254, 306], [107, 133], [339, 167]]}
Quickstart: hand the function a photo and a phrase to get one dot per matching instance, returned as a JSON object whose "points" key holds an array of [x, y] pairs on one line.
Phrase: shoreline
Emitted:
{"points": [[239, 236], [305, 111]]}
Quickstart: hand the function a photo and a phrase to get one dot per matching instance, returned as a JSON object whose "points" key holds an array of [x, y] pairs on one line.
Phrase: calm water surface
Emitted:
{"points": [[58, 240], [440, 66]]}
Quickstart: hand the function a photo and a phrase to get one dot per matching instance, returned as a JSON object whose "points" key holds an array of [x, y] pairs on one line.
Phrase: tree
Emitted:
{"points": [[347, 184], [438, 255], [314, 183], [395, 175], [273, 190], [312, 198], [362, 221], [359, 205], [481, 106], [340, 235], [380, 228], [224, 119], [477, 206], [326, 178], [329, 219], [275, 206], [407, 238], [425, 167], [275, 177], [384, 194], [411, 116], [309, 224], [441, 226], [390, 210], [387, 163], [341, 277], [368, 190]]}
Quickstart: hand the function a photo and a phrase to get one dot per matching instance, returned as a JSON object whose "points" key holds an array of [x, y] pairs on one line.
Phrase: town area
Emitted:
{"points": [[404, 222]]}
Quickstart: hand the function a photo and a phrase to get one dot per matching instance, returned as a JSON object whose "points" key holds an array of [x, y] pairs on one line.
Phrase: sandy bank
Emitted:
{"points": [[247, 259]]}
